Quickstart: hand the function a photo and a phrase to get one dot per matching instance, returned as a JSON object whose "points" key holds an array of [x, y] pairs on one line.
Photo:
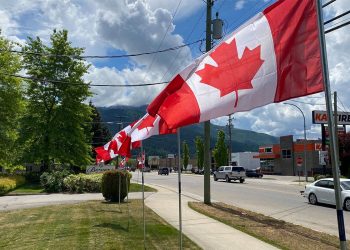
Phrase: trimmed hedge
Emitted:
{"points": [[52, 182], [90, 183], [10, 182], [111, 181]]}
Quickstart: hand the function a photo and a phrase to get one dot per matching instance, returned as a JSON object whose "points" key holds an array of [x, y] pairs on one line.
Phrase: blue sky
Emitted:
{"points": [[108, 27]]}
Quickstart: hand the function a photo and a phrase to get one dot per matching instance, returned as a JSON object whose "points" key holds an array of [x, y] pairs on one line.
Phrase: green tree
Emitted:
{"points": [[344, 153], [220, 150], [11, 105], [57, 127], [100, 133], [200, 151], [185, 153]]}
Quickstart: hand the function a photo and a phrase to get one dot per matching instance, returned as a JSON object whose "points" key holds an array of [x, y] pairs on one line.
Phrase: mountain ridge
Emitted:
{"points": [[118, 117]]}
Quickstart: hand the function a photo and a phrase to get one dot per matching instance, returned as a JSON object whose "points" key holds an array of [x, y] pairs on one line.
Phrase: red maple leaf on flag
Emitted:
{"points": [[232, 73], [147, 122], [122, 136]]}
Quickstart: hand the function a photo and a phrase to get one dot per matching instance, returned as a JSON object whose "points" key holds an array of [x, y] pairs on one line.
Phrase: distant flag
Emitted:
{"points": [[123, 162], [273, 57], [149, 126], [105, 153], [131, 136]]}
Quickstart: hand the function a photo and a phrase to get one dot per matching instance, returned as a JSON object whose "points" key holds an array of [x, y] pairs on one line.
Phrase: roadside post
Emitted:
{"points": [[299, 164], [331, 127]]}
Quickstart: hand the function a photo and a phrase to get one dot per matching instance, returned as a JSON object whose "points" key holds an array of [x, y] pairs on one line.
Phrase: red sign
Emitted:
{"points": [[318, 146], [299, 161]]}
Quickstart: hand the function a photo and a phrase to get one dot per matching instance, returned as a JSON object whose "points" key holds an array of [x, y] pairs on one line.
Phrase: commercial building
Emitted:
{"points": [[283, 158]]}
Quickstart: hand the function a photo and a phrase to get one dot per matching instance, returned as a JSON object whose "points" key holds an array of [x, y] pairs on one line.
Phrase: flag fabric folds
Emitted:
{"points": [[131, 136], [273, 57]]}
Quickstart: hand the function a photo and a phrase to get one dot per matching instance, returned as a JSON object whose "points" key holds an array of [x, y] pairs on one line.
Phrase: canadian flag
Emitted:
{"points": [[119, 145], [105, 153], [131, 136], [123, 162], [273, 57], [149, 126]]}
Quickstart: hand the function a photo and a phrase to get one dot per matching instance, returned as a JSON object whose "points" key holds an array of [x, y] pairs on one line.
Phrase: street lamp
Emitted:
{"points": [[305, 169]]}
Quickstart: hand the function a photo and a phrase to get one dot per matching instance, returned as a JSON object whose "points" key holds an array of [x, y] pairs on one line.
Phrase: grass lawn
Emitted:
{"points": [[135, 187], [279, 233], [28, 188], [35, 188], [88, 225]]}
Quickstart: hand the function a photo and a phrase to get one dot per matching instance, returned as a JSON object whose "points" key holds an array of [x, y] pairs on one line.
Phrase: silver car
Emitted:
{"points": [[322, 191], [229, 173]]}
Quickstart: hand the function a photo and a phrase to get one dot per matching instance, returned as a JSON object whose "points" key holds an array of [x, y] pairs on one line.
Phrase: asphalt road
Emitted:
{"points": [[275, 196]]}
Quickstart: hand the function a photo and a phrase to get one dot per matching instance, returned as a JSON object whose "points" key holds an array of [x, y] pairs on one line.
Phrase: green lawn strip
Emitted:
{"points": [[135, 187], [279, 233], [28, 188], [87, 225], [35, 188]]}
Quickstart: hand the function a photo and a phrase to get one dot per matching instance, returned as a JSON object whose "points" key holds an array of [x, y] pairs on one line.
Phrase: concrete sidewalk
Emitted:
{"points": [[206, 232]]}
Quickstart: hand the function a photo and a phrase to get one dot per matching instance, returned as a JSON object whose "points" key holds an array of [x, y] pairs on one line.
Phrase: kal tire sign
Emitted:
{"points": [[320, 117]]}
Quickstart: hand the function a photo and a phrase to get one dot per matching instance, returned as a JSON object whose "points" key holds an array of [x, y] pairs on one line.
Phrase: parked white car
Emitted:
{"points": [[322, 191], [229, 173]]}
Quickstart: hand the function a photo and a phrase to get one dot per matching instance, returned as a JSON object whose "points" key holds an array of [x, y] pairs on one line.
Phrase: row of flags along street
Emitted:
{"points": [[273, 57]]}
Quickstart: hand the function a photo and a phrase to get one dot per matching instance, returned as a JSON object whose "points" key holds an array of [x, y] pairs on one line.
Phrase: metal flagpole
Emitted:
{"points": [[179, 180], [127, 195], [120, 177], [331, 128], [143, 198]]}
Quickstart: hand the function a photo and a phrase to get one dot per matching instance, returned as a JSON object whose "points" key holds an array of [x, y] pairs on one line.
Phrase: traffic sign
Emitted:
{"points": [[299, 161]]}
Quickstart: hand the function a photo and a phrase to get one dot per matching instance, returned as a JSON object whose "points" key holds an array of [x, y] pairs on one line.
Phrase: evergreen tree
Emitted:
{"points": [[186, 154], [220, 150], [200, 152], [57, 126], [100, 132], [11, 105]]}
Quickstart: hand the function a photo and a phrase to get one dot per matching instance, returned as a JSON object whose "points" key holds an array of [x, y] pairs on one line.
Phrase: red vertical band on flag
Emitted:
{"points": [[176, 101], [295, 34]]}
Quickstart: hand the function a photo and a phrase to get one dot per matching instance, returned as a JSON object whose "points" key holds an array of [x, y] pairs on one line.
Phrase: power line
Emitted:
{"points": [[338, 27], [345, 107], [166, 32], [326, 4], [82, 84], [337, 17], [102, 57], [178, 52], [307, 102]]}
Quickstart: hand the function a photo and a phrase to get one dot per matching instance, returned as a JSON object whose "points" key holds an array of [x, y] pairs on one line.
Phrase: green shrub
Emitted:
{"points": [[83, 183], [33, 177], [52, 182], [10, 182], [110, 184]]}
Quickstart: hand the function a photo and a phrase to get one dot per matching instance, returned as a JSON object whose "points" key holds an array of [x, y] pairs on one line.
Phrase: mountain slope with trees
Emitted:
{"points": [[242, 140]]}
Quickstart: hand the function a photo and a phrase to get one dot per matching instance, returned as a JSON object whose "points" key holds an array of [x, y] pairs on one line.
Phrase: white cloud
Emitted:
{"points": [[138, 28], [130, 26], [186, 8], [279, 119], [129, 96], [134, 26], [240, 4]]}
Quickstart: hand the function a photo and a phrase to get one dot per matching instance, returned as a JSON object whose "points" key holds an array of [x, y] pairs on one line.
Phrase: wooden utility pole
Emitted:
{"points": [[207, 161]]}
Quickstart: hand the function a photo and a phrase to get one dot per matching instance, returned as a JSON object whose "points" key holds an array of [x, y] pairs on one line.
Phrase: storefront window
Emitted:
{"points": [[267, 165], [286, 153], [268, 150]]}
